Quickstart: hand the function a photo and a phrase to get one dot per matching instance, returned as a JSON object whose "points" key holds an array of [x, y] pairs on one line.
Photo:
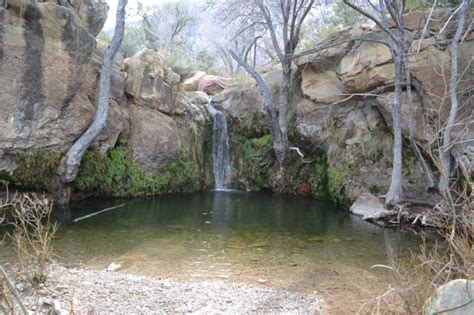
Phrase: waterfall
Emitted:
{"points": [[220, 148]]}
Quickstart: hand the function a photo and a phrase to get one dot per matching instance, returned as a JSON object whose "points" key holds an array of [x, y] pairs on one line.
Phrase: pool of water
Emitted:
{"points": [[288, 242]]}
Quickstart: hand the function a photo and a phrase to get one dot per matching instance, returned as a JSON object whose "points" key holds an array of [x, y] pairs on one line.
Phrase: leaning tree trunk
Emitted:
{"points": [[272, 117], [445, 150], [69, 165]]}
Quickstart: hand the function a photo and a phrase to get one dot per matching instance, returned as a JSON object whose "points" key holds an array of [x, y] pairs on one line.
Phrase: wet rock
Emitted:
{"points": [[369, 207], [453, 298]]}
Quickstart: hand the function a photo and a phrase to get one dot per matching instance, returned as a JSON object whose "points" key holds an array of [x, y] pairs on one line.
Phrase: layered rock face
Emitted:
{"points": [[342, 123], [50, 65]]}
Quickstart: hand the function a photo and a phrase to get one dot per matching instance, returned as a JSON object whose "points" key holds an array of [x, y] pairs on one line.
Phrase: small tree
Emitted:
{"points": [[284, 18]]}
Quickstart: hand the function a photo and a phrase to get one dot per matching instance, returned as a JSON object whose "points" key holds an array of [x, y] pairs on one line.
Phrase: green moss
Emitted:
{"points": [[255, 127], [117, 175], [336, 183], [315, 174], [256, 155], [36, 170]]}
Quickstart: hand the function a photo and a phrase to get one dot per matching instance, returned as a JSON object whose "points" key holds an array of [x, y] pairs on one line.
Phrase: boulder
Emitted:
{"points": [[212, 84], [322, 87], [366, 66], [192, 83], [149, 83], [453, 298], [198, 97], [154, 139], [369, 207]]}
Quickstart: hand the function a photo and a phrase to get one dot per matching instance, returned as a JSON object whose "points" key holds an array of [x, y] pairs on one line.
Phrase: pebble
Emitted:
{"points": [[100, 291]]}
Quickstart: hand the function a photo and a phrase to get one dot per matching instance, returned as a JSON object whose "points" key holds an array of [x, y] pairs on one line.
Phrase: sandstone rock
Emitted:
{"points": [[192, 83], [369, 207], [239, 103], [367, 66], [44, 56], [212, 84], [450, 298], [421, 131], [322, 87], [245, 107], [416, 20], [154, 139], [198, 97], [149, 83]]}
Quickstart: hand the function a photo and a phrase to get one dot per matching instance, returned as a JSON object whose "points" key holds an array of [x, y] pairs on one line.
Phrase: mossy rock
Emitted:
{"points": [[115, 174], [35, 170]]}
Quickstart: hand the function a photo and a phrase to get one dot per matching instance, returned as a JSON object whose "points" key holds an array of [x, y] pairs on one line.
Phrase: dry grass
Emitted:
{"points": [[417, 278], [33, 233]]}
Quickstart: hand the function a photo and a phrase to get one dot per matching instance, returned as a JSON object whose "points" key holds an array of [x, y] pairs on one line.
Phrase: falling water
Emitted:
{"points": [[220, 149]]}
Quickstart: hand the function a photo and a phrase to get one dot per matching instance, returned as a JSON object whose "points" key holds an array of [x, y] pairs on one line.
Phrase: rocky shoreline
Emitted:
{"points": [[87, 291]]}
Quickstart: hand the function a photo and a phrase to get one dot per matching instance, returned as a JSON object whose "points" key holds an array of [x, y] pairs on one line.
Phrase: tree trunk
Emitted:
{"points": [[272, 117], [395, 189], [69, 165], [283, 109], [428, 176], [445, 150]]}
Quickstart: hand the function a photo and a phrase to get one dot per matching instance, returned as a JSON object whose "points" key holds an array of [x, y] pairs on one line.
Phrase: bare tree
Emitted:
{"points": [[69, 165], [445, 150], [284, 17], [394, 43]]}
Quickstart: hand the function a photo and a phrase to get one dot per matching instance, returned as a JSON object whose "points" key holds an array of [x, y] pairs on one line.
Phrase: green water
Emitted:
{"points": [[282, 241]]}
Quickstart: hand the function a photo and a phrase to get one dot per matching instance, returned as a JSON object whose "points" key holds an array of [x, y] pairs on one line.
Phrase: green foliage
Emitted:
{"points": [[344, 16], [424, 5], [116, 175], [257, 157], [103, 38], [315, 174], [35, 171]]}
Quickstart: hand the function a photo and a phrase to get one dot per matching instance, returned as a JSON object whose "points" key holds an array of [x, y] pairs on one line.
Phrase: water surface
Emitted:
{"points": [[288, 242]]}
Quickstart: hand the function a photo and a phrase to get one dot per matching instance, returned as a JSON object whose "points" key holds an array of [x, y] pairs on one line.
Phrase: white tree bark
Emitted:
{"points": [[71, 162], [445, 150]]}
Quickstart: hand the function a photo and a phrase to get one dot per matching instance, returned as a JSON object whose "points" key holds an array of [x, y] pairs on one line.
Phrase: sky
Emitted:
{"points": [[131, 6]]}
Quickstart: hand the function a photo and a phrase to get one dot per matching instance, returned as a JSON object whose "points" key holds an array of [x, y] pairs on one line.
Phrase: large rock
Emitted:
{"points": [[421, 130], [416, 20], [212, 84], [453, 298], [367, 65], [192, 83], [149, 83], [92, 13], [322, 87], [154, 139], [44, 56], [369, 207]]}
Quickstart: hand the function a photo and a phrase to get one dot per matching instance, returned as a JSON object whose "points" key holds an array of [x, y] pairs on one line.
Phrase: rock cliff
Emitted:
{"points": [[50, 65], [157, 134]]}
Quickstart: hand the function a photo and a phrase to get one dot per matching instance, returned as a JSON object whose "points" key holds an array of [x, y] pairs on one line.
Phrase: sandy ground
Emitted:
{"points": [[87, 291]]}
